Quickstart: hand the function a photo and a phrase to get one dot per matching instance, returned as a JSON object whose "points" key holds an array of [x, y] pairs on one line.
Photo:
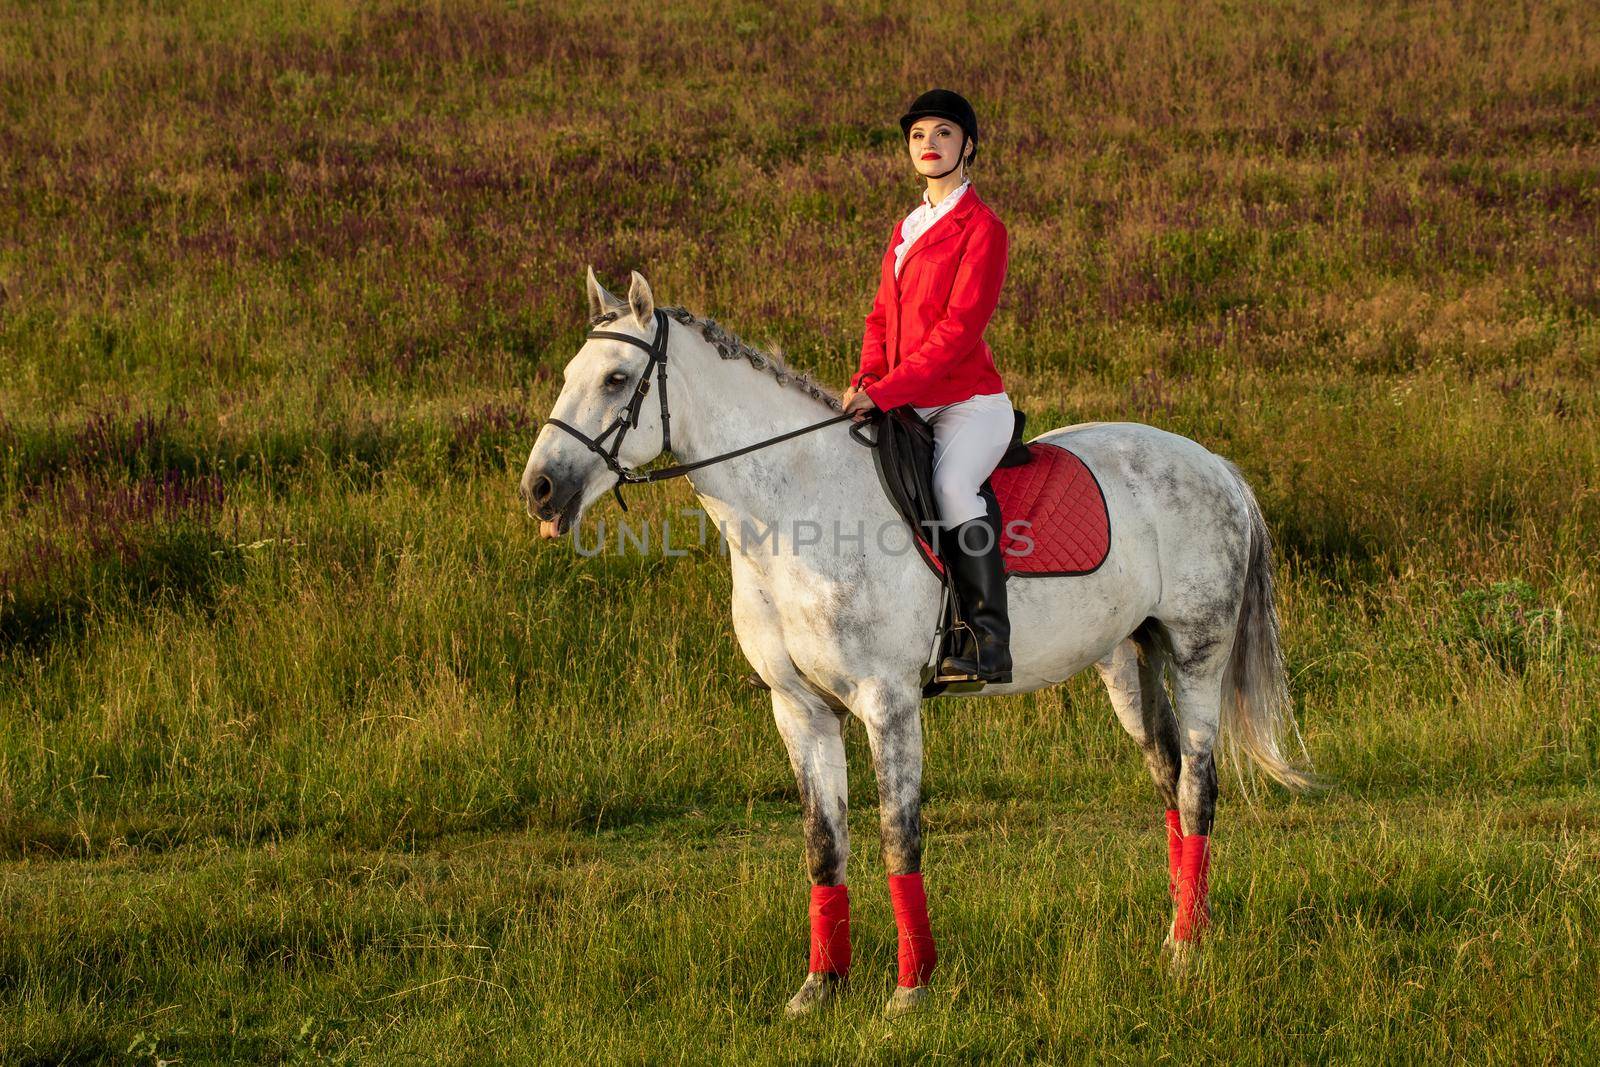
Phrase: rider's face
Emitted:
{"points": [[940, 139]]}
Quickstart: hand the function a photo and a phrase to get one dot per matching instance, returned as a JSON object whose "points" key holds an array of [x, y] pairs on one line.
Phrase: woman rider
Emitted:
{"points": [[938, 286]]}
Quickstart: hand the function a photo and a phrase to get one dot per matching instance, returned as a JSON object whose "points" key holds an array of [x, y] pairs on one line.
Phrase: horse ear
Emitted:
{"points": [[642, 302], [600, 301]]}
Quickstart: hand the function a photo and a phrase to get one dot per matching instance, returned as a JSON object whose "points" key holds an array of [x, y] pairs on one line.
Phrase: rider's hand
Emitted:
{"points": [[856, 400]]}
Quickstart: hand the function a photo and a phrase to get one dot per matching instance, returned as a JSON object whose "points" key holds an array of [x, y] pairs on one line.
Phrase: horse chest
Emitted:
{"points": [[822, 624]]}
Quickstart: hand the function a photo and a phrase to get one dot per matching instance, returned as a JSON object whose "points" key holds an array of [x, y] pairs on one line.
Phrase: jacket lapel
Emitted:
{"points": [[947, 227]]}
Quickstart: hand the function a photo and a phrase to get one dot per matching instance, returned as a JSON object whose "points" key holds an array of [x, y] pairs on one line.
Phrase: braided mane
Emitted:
{"points": [[729, 346]]}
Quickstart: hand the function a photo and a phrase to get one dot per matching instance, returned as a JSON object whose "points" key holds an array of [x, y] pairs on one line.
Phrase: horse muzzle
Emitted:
{"points": [[555, 505]]}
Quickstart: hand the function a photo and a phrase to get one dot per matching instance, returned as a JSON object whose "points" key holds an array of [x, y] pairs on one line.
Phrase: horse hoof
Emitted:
{"points": [[819, 989], [1182, 956], [905, 1000]]}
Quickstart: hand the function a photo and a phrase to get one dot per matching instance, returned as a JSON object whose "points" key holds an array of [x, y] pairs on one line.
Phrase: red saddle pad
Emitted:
{"points": [[1064, 511]]}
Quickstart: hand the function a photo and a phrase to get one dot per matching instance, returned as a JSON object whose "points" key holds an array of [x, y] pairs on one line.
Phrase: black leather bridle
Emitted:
{"points": [[657, 349]]}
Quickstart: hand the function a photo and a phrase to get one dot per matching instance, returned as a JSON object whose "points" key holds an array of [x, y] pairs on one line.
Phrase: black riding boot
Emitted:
{"points": [[980, 579]]}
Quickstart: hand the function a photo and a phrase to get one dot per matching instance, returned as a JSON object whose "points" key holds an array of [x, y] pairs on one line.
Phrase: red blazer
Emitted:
{"points": [[924, 338]]}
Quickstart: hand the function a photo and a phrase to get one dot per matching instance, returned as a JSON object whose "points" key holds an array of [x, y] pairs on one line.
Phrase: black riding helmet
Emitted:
{"points": [[944, 104]]}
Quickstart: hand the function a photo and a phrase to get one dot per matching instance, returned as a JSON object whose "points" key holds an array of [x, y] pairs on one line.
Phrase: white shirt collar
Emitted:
{"points": [[949, 200]]}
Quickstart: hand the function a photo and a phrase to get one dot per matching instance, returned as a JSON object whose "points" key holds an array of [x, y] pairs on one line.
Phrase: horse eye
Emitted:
{"points": [[616, 378]]}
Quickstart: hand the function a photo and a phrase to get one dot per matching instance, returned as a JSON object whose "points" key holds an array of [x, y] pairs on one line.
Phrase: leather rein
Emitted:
{"points": [[657, 349]]}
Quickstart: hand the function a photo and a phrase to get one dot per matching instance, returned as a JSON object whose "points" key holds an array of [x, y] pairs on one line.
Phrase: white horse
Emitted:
{"points": [[844, 625]]}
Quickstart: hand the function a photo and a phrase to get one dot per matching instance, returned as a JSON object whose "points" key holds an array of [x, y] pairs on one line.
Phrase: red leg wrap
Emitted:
{"points": [[1194, 915], [917, 955], [1174, 852], [830, 929]]}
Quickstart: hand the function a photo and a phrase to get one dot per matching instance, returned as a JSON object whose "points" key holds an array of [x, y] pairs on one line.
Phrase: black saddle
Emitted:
{"points": [[902, 451]]}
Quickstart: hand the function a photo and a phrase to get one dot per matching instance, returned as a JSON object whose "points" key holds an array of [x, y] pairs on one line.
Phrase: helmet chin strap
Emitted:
{"points": [[960, 157]]}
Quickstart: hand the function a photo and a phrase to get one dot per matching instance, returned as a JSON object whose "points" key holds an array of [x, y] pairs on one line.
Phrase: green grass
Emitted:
{"points": [[309, 751]]}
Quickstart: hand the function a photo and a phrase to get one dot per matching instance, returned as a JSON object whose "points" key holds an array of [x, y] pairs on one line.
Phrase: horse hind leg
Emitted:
{"points": [[1200, 659], [1133, 674]]}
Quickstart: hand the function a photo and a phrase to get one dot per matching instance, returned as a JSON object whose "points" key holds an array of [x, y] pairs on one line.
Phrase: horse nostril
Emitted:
{"points": [[542, 489]]}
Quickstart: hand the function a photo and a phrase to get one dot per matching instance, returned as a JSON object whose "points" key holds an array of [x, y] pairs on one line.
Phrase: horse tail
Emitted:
{"points": [[1257, 714]]}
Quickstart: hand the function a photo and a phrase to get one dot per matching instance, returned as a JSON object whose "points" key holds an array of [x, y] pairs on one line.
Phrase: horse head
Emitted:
{"points": [[605, 386]]}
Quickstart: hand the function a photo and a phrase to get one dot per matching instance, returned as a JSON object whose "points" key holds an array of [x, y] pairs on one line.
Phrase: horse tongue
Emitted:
{"points": [[549, 527]]}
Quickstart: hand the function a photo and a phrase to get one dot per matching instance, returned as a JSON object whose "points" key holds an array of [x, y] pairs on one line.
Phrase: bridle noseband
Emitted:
{"points": [[657, 349]]}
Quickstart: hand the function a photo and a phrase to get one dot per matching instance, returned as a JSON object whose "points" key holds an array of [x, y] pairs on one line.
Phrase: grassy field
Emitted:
{"points": [[308, 751]]}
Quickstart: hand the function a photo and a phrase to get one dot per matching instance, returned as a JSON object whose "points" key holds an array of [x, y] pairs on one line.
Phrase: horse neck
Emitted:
{"points": [[728, 404]]}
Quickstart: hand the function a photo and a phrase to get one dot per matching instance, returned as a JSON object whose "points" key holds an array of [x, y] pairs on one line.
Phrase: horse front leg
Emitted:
{"points": [[812, 734], [893, 718]]}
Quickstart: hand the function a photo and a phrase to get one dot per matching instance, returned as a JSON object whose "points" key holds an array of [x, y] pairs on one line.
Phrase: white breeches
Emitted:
{"points": [[969, 437]]}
